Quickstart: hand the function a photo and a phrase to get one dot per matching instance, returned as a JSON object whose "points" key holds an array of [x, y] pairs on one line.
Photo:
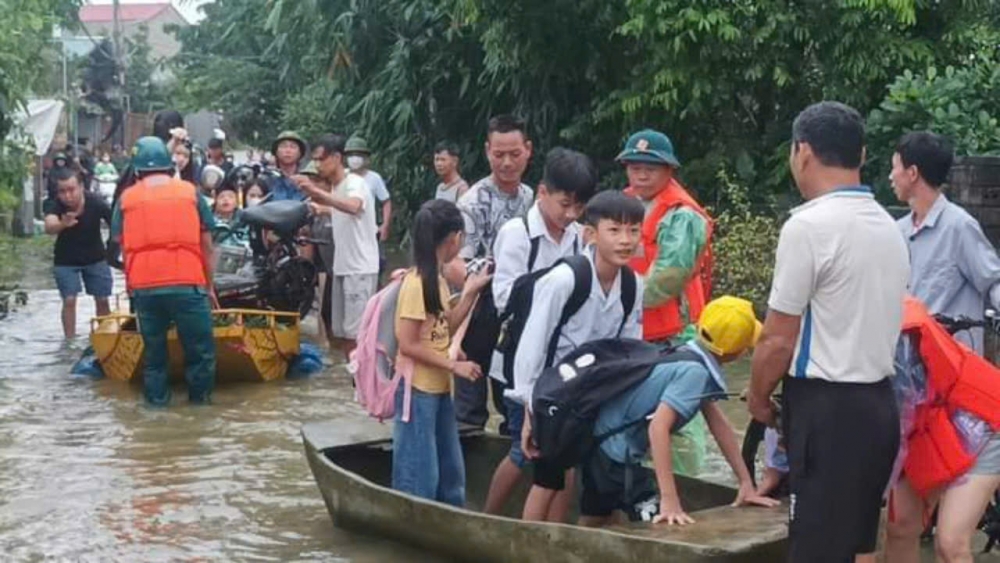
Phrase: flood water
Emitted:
{"points": [[89, 473]]}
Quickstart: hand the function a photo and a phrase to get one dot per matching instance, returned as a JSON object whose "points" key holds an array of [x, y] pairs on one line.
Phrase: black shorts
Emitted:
{"points": [[547, 475], [842, 441], [608, 486]]}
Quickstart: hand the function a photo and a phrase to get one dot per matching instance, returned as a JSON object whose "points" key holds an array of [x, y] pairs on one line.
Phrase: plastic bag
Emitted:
{"points": [[910, 387]]}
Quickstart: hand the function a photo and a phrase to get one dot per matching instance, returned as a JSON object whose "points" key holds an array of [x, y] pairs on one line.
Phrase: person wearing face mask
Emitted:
{"points": [[358, 160], [254, 194]]}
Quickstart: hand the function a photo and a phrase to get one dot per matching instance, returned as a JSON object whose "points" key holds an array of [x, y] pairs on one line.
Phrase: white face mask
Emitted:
{"points": [[251, 201], [355, 162]]}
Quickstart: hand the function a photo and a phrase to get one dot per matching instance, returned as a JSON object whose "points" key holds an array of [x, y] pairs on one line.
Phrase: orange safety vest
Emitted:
{"points": [[665, 321], [161, 234], [956, 378]]}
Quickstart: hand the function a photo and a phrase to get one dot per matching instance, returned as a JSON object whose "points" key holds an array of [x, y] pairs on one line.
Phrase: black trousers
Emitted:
{"points": [[842, 441], [471, 397]]}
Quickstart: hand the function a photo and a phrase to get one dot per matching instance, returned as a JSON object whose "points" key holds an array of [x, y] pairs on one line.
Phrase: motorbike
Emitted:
{"points": [[269, 273]]}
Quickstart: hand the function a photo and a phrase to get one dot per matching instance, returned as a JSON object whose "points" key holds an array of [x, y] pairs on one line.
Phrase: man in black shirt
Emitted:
{"points": [[75, 217]]}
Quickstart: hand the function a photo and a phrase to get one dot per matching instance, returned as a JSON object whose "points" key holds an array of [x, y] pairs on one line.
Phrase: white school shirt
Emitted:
{"points": [[511, 252], [842, 266], [599, 317]]}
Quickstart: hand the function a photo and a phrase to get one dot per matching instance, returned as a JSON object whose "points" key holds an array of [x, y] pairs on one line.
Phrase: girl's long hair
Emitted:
{"points": [[435, 222]]}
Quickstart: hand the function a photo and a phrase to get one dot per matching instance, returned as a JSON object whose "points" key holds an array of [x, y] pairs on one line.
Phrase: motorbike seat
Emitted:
{"points": [[234, 282], [283, 217]]}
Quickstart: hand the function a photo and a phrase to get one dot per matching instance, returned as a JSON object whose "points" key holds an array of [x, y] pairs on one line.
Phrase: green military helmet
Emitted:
{"points": [[150, 153], [356, 145], [651, 147], [60, 156], [289, 136]]}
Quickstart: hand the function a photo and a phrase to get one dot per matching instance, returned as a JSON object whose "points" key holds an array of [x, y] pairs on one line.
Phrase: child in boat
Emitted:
{"points": [[612, 225], [427, 458], [613, 477], [226, 211], [548, 233]]}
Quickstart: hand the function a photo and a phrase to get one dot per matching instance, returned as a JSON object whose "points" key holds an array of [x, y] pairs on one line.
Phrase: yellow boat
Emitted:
{"points": [[250, 345]]}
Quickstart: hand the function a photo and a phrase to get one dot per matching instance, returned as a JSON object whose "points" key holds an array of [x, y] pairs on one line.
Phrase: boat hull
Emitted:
{"points": [[250, 345], [353, 475]]}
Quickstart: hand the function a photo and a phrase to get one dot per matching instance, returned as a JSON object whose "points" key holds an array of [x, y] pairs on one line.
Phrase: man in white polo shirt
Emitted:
{"points": [[834, 316]]}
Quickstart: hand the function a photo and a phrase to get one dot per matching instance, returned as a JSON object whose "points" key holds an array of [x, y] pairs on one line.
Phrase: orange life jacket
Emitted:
{"points": [[665, 321], [161, 234], [956, 378]]}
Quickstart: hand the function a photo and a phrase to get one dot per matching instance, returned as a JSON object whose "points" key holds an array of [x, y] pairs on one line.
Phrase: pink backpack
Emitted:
{"points": [[373, 362]]}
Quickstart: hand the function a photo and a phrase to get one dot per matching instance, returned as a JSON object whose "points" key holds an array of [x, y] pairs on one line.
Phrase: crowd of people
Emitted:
{"points": [[843, 269], [570, 266]]}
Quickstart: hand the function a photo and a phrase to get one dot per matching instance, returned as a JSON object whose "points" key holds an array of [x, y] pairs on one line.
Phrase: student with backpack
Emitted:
{"points": [[588, 297], [427, 457], [529, 245], [640, 421]]}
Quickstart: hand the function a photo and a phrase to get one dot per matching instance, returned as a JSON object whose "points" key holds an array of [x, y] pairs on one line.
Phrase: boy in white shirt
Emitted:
{"points": [[613, 225], [548, 233]]}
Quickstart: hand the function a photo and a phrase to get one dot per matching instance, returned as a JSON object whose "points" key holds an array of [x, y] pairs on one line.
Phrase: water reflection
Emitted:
{"points": [[88, 473]]}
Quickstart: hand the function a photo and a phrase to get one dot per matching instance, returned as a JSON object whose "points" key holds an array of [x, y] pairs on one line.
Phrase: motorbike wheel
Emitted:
{"points": [[292, 287]]}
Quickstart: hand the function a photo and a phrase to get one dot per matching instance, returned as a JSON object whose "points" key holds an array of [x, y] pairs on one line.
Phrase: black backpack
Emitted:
{"points": [[520, 301], [568, 396], [486, 324]]}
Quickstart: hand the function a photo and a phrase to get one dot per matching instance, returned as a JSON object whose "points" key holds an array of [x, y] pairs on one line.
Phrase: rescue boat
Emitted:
{"points": [[250, 345]]}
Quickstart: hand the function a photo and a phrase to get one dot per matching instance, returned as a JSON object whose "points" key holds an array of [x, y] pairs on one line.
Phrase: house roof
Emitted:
{"points": [[104, 13]]}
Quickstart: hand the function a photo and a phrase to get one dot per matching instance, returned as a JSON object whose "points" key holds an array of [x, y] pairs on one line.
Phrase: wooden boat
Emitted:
{"points": [[352, 463], [250, 345]]}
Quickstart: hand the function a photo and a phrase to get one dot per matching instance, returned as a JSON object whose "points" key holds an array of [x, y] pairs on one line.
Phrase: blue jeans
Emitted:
{"points": [[427, 457], [515, 424], [191, 312]]}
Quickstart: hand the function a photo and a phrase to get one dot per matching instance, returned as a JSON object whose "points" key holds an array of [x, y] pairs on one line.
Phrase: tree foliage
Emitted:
{"points": [[25, 31], [745, 239], [724, 78], [146, 83]]}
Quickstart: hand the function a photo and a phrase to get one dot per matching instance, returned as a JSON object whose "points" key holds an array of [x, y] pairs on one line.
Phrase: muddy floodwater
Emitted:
{"points": [[88, 473]]}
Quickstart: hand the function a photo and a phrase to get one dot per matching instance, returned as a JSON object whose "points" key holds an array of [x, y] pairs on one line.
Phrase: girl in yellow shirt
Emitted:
{"points": [[427, 457]]}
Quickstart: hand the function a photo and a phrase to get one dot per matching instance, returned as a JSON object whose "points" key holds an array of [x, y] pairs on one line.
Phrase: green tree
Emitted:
{"points": [[727, 77], [25, 31], [724, 78], [146, 83]]}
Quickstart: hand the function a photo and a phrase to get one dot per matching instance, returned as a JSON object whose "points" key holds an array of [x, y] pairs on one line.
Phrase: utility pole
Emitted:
{"points": [[119, 58]]}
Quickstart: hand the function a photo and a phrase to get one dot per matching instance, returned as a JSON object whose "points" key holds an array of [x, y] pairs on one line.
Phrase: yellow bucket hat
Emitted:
{"points": [[728, 325]]}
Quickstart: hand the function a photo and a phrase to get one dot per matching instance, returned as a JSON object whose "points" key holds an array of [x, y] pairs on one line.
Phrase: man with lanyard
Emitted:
{"points": [[486, 207], [834, 318], [674, 256], [288, 150], [164, 227], [954, 272]]}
